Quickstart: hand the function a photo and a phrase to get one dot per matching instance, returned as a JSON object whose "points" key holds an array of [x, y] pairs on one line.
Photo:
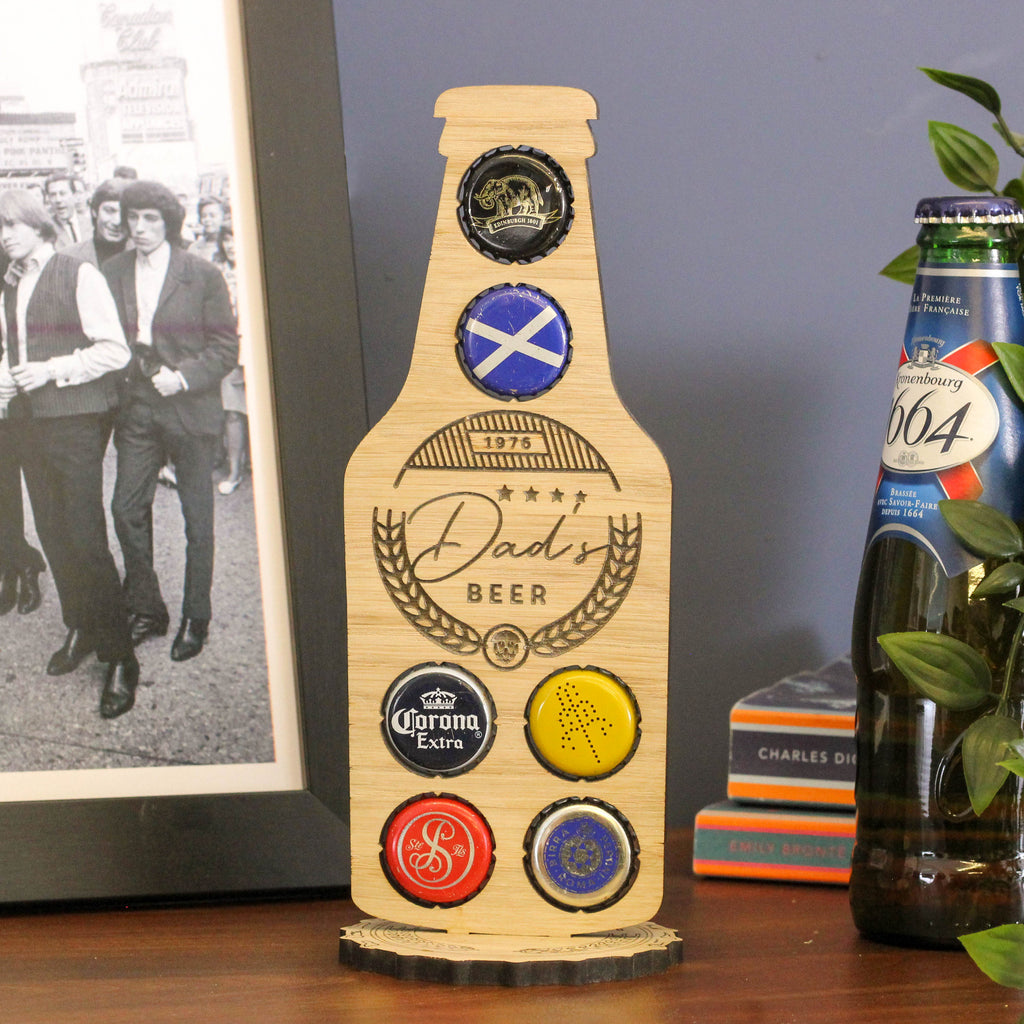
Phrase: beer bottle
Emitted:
{"points": [[926, 868]]}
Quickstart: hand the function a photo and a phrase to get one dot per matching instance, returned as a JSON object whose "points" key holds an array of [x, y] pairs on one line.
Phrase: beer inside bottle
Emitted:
{"points": [[926, 869]]}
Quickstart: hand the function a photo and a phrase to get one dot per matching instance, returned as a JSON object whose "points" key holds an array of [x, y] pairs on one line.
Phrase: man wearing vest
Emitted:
{"points": [[61, 342], [177, 317]]}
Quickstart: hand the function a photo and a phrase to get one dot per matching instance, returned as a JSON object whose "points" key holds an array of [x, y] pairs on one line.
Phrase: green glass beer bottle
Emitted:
{"points": [[926, 868]]}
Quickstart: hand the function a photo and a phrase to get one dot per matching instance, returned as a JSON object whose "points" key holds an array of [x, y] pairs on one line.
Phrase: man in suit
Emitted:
{"points": [[20, 563], [62, 199], [62, 340], [177, 316]]}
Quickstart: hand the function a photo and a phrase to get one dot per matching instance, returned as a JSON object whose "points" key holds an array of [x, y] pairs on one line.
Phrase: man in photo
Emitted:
{"points": [[62, 339], [177, 316], [213, 215], [109, 236], [62, 200]]}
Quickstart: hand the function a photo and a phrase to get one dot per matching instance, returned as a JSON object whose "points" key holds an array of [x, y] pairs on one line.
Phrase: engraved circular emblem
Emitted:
{"points": [[513, 341], [581, 854], [438, 719], [515, 204], [432, 558], [506, 646], [437, 850], [582, 723]]}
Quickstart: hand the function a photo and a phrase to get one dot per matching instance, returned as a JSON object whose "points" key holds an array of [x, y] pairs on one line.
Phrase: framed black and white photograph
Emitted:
{"points": [[206, 756]]}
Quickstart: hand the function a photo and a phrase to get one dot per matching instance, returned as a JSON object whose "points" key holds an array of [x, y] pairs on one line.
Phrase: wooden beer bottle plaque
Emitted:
{"points": [[507, 532]]}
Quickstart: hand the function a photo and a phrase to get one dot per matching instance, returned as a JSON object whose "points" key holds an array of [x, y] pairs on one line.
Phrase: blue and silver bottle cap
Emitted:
{"points": [[969, 210], [581, 854]]}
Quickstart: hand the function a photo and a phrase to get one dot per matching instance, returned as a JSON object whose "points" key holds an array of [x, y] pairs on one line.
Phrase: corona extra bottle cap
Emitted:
{"points": [[437, 850], [513, 341], [438, 719], [515, 204], [582, 723], [581, 854]]}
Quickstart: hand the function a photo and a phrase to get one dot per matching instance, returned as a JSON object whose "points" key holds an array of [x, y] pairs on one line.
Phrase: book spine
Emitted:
{"points": [[791, 764], [731, 847]]}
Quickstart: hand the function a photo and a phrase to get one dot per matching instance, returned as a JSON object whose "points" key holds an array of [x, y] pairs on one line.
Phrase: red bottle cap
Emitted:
{"points": [[437, 850]]}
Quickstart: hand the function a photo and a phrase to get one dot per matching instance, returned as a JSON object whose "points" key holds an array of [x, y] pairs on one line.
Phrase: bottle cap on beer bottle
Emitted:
{"points": [[968, 210]]}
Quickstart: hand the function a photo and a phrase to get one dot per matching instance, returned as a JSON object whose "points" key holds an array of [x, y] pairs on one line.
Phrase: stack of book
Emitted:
{"points": [[792, 761]]}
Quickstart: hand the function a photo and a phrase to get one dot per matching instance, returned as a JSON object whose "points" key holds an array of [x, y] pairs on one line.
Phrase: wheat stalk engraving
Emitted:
{"points": [[408, 595], [604, 599], [574, 628]]}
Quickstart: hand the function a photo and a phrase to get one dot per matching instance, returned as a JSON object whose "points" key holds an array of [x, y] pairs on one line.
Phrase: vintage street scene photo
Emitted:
{"points": [[140, 549]]}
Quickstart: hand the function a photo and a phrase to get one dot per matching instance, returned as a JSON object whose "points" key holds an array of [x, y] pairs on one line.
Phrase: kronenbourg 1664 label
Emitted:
{"points": [[955, 427]]}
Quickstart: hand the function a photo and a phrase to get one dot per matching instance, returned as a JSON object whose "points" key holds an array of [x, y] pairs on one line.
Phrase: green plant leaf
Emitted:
{"points": [[1017, 604], [904, 267], [1011, 358], [979, 91], [941, 667], [1013, 139], [1014, 764], [1014, 188], [968, 162], [999, 953], [982, 529], [986, 742], [1001, 579]]}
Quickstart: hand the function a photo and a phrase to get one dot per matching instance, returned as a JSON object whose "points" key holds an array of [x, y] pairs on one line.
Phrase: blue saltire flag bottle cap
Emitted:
{"points": [[514, 341]]}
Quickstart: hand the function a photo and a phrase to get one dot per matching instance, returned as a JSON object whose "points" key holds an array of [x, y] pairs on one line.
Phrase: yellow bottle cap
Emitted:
{"points": [[583, 723]]}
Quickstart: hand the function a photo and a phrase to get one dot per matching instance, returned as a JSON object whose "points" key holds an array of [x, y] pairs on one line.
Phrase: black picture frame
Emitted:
{"points": [[236, 845]]}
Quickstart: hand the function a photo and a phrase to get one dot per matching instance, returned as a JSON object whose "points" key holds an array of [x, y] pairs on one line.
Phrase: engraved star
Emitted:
{"points": [[557, 495], [504, 493], [531, 494], [580, 498]]}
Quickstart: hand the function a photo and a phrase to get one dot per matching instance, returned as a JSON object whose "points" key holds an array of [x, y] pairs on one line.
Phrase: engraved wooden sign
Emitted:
{"points": [[507, 530]]}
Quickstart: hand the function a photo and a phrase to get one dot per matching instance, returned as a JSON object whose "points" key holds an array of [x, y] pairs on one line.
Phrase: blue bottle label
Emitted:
{"points": [[955, 427]]}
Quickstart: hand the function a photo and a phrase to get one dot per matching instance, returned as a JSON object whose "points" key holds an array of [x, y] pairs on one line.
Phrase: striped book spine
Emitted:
{"points": [[793, 742], [736, 841]]}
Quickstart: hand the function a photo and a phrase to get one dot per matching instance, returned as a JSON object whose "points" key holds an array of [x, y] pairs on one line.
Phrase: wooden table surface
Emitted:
{"points": [[752, 952]]}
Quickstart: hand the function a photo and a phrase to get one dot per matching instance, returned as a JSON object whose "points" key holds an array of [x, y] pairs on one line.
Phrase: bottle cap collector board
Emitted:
{"points": [[507, 562]]}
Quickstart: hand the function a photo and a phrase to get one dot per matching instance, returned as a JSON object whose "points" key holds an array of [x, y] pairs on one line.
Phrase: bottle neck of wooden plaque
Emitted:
{"points": [[515, 189]]}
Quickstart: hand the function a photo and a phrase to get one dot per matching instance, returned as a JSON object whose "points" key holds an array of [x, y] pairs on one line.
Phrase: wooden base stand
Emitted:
{"points": [[416, 954]]}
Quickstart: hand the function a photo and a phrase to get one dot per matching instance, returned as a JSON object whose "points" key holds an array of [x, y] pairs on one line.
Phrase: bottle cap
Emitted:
{"points": [[582, 723], [581, 854], [515, 204], [438, 719], [969, 210], [437, 850], [513, 341]]}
